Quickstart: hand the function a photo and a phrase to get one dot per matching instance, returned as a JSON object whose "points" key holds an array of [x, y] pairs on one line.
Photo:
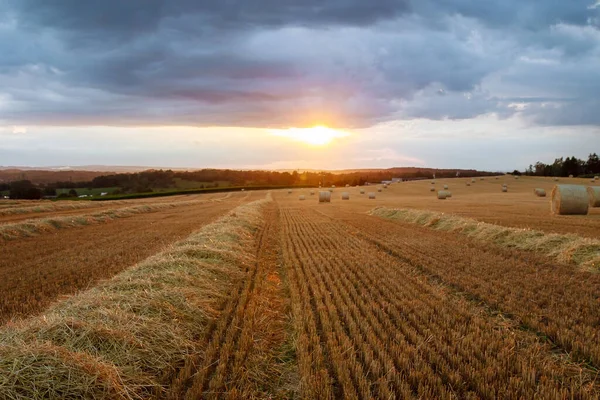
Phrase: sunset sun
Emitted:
{"points": [[317, 135]]}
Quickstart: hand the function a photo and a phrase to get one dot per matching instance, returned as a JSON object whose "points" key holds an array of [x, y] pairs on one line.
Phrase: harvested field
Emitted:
{"points": [[119, 340], [31, 227], [242, 346], [584, 252], [35, 270], [521, 286], [370, 324], [302, 299], [485, 202], [54, 209]]}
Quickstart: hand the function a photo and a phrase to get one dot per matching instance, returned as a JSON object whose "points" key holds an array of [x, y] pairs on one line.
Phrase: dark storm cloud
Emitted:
{"points": [[281, 63], [135, 16]]}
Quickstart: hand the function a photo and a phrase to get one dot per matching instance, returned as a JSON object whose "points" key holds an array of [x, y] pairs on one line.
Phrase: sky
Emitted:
{"points": [[492, 85]]}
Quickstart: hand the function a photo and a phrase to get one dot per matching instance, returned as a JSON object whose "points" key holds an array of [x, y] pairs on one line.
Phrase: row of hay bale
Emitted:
{"points": [[574, 199], [325, 196]]}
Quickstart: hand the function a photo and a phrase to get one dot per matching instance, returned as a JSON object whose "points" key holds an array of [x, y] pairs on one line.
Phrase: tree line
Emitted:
{"points": [[566, 166], [148, 181]]}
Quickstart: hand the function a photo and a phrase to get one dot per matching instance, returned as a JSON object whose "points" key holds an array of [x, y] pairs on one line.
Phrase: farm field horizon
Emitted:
{"points": [[260, 294]]}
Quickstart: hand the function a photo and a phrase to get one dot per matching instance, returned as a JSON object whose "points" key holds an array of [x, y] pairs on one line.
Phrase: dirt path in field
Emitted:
{"points": [[371, 324], [242, 346], [552, 300], [35, 271]]}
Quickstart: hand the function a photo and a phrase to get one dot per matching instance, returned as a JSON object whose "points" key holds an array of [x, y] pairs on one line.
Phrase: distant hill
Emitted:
{"points": [[92, 168], [45, 176]]}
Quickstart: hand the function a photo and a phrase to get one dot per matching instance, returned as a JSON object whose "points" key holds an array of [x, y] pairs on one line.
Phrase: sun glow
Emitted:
{"points": [[316, 136]]}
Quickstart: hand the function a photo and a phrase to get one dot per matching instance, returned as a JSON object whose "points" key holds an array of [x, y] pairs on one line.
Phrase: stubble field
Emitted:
{"points": [[285, 298]]}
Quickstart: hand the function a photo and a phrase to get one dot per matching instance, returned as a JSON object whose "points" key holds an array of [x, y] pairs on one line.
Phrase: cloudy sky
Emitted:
{"points": [[218, 83]]}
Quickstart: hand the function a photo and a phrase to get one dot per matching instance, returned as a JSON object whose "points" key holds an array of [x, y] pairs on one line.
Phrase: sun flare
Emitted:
{"points": [[317, 135]]}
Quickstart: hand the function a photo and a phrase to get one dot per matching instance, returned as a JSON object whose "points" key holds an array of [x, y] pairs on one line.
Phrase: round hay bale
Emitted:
{"points": [[371, 195], [555, 179], [569, 200], [302, 197], [324, 197], [432, 189], [539, 192], [362, 191], [385, 186], [594, 195], [593, 180], [347, 185], [570, 176], [481, 179], [242, 190], [441, 194], [333, 186], [289, 191], [472, 180], [379, 189], [504, 189], [596, 177], [433, 182], [312, 192], [497, 177], [330, 190], [445, 187], [468, 183], [345, 196]]}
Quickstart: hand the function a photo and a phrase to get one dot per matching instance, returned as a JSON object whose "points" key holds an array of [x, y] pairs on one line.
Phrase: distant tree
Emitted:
{"points": [[73, 193], [49, 191], [24, 190], [571, 166], [540, 168], [592, 164], [516, 172]]}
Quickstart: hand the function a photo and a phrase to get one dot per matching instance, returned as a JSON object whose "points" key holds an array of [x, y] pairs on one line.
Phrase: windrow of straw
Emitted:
{"points": [[50, 206], [126, 338], [584, 252], [32, 227]]}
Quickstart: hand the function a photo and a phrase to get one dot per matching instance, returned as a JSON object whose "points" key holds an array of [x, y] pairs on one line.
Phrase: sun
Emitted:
{"points": [[319, 135]]}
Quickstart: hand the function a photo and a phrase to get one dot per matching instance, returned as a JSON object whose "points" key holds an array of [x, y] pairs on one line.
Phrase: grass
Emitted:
{"points": [[33, 227], [126, 338], [568, 248]]}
